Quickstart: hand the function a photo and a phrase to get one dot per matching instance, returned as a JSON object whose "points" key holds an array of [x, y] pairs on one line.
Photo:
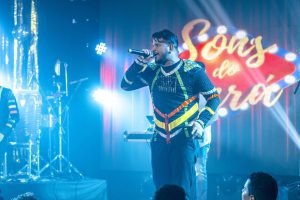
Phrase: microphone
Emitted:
{"points": [[141, 53]]}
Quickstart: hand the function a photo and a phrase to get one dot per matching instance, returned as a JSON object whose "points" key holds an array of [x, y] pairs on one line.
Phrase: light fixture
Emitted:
{"points": [[101, 48]]}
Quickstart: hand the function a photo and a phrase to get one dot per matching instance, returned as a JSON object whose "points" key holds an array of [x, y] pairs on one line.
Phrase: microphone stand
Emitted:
{"points": [[297, 87]]}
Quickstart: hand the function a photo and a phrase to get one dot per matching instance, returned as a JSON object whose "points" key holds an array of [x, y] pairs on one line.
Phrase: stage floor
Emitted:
{"points": [[58, 189]]}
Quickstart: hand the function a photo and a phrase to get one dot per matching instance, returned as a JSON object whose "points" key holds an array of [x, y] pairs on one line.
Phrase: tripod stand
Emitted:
{"points": [[27, 169], [63, 164]]}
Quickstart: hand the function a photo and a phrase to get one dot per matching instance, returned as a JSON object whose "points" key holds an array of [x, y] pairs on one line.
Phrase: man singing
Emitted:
{"points": [[175, 86]]}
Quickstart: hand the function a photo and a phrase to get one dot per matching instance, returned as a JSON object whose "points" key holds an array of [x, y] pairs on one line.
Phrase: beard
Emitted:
{"points": [[161, 59]]}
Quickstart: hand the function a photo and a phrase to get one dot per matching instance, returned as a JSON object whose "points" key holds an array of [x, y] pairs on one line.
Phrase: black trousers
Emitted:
{"points": [[174, 163]]}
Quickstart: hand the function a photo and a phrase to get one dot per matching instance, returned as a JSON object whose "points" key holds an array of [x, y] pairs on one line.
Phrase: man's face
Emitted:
{"points": [[162, 49], [245, 192]]}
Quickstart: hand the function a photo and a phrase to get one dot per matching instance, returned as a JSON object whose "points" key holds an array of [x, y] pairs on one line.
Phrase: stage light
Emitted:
{"points": [[289, 79], [222, 112], [222, 29], [241, 34], [109, 100], [290, 57], [102, 96], [202, 37], [245, 106], [275, 87], [274, 49], [101, 48]]}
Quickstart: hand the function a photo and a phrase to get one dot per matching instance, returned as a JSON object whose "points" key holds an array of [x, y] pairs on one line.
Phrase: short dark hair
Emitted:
{"points": [[263, 186], [167, 36], [167, 192]]}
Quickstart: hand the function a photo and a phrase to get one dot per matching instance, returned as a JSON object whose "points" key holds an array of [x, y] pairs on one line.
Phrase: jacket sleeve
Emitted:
{"points": [[134, 77], [13, 113], [206, 88]]}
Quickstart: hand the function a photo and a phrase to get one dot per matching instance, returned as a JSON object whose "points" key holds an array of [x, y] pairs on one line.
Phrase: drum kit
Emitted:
{"points": [[38, 138], [21, 148], [36, 146]]}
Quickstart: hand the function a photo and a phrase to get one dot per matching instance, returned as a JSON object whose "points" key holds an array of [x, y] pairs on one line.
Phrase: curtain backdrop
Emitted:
{"points": [[249, 140]]}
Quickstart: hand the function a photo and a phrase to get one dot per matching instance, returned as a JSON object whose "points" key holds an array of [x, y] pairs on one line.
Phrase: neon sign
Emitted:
{"points": [[245, 70]]}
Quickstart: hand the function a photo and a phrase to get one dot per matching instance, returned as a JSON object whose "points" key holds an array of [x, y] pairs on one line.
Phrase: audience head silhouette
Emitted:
{"points": [[170, 192], [260, 186]]}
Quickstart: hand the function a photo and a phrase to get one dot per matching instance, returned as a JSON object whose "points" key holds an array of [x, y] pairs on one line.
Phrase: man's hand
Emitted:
{"points": [[197, 129], [145, 60], [1, 137]]}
